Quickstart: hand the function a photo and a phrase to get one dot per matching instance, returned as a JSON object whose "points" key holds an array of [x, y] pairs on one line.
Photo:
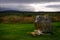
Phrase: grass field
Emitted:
{"points": [[19, 32]]}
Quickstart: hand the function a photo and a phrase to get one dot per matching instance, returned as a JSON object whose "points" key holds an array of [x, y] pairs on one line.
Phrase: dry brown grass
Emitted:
{"points": [[21, 19]]}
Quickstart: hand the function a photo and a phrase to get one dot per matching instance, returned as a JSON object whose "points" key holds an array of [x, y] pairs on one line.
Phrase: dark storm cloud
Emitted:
{"points": [[27, 1], [19, 7], [53, 6]]}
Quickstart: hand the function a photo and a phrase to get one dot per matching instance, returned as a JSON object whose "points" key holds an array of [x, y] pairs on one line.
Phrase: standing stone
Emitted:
{"points": [[38, 24], [47, 26]]}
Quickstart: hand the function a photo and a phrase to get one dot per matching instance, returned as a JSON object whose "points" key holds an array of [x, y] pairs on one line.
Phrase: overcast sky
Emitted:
{"points": [[30, 5]]}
